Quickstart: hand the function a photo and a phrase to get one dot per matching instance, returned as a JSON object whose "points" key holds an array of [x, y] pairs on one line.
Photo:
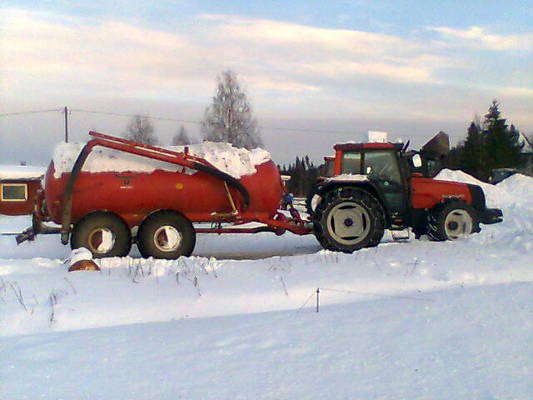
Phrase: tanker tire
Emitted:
{"points": [[451, 221], [363, 222], [89, 232], [167, 235]]}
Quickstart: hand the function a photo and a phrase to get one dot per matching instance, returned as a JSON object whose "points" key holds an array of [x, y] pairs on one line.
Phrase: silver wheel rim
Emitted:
{"points": [[458, 223], [348, 223], [167, 238], [101, 240]]}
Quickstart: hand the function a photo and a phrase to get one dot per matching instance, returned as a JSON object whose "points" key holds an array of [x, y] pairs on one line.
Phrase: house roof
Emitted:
{"points": [[21, 172]]}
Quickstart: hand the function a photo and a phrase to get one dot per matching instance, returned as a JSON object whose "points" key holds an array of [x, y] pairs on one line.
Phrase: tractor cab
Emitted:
{"points": [[381, 167]]}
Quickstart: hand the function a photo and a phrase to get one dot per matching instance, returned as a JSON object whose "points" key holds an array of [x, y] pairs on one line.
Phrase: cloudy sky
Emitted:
{"points": [[316, 72]]}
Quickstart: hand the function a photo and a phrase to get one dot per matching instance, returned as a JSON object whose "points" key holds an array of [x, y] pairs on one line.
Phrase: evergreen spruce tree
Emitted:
{"points": [[181, 138], [473, 157], [502, 145]]}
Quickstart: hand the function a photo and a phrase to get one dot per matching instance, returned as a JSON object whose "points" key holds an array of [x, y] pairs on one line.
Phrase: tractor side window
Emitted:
{"points": [[382, 165], [351, 163]]}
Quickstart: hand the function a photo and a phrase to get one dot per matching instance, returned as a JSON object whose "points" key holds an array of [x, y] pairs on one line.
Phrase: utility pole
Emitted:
{"points": [[66, 123]]}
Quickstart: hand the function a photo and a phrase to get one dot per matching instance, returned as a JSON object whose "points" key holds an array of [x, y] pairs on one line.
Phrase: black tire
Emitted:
{"points": [[348, 219], [166, 234], [310, 200], [452, 220], [91, 232]]}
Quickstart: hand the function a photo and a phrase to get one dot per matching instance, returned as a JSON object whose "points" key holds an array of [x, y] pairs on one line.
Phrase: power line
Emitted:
{"points": [[30, 112], [134, 115], [275, 128], [185, 121]]}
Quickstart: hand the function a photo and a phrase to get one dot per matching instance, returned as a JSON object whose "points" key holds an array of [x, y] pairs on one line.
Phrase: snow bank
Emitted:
{"points": [[515, 190], [21, 172], [513, 197], [236, 162]]}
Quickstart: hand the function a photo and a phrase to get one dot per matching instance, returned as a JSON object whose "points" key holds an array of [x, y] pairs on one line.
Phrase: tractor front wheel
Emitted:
{"points": [[450, 221], [166, 234], [348, 219]]}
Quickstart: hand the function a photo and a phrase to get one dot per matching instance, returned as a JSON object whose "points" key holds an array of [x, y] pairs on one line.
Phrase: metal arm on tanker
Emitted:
{"points": [[158, 153]]}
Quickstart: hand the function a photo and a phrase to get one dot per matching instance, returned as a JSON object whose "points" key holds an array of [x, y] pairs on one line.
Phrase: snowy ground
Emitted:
{"points": [[405, 320]]}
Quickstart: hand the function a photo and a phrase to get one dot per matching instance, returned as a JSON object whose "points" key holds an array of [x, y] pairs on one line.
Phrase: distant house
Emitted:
{"points": [[18, 187], [527, 156]]}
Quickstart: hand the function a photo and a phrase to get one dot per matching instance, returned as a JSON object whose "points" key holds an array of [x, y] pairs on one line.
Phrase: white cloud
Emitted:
{"points": [[477, 37], [62, 50], [517, 92], [317, 70]]}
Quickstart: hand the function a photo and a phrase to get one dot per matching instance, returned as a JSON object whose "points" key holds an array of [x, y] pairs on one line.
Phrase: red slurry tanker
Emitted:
{"points": [[106, 207], [106, 211]]}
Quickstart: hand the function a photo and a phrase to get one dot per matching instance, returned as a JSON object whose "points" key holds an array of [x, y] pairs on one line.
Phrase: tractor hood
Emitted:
{"points": [[437, 147]]}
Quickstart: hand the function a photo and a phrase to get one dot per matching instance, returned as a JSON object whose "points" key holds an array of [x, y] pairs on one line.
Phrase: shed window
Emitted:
{"points": [[14, 192]]}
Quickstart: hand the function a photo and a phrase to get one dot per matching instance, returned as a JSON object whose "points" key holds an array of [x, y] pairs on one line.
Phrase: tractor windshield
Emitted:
{"points": [[382, 165]]}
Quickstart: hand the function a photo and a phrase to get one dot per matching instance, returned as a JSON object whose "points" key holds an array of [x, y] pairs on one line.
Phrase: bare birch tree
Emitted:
{"points": [[229, 118], [140, 130]]}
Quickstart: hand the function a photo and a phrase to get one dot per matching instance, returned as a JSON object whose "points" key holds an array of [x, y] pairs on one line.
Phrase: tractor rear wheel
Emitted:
{"points": [[312, 200], [104, 234], [348, 219], [450, 221], [166, 234]]}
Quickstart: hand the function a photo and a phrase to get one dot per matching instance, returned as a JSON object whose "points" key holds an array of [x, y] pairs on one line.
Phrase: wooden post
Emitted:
{"points": [[66, 123]]}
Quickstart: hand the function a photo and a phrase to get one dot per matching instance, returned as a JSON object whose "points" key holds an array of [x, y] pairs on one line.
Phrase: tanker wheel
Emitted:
{"points": [[349, 219], [451, 221], [166, 234], [104, 234]]}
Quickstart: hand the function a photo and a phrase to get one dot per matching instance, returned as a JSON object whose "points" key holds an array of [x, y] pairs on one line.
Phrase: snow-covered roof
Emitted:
{"points": [[21, 172], [234, 161]]}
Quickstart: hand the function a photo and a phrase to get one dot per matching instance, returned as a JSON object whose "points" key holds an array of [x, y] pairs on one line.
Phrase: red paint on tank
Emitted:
{"points": [[200, 197]]}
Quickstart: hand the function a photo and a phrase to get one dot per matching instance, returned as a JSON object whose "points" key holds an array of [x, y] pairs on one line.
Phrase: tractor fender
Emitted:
{"points": [[324, 187]]}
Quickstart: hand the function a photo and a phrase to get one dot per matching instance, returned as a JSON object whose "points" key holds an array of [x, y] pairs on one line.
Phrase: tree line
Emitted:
{"points": [[303, 175], [489, 144]]}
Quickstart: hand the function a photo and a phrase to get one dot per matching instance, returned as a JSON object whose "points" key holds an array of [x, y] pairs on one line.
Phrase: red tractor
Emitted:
{"points": [[378, 186]]}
